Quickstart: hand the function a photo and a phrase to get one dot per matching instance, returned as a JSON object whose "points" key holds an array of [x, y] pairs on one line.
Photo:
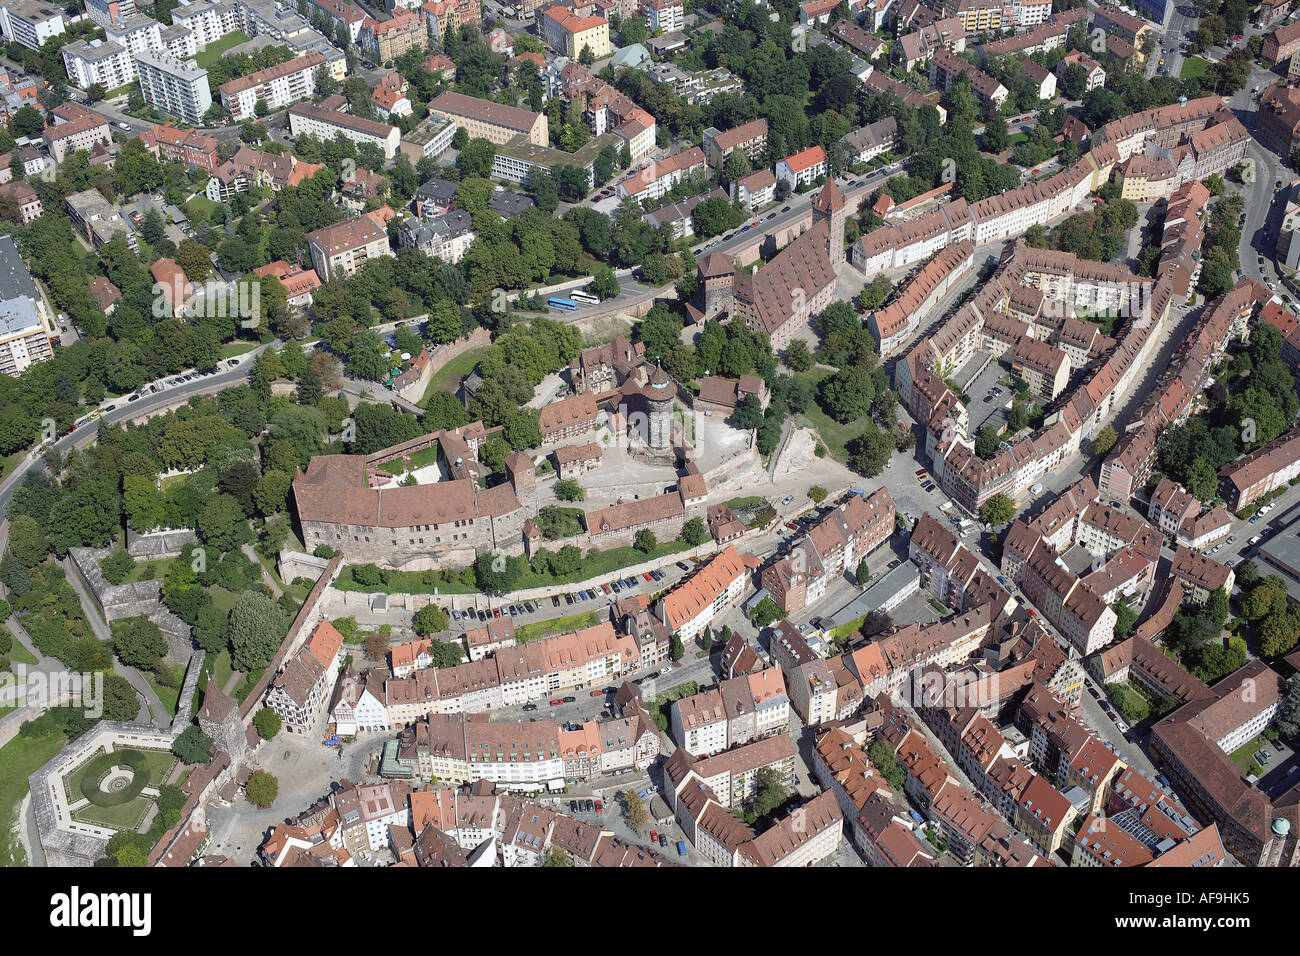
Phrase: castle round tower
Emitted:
{"points": [[659, 391]]}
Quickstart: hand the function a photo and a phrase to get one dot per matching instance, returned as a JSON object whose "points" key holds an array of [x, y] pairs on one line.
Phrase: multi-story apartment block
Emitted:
{"points": [[342, 249], [98, 219], [340, 12], [24, 339], [570, 35], [276, 86], [191, 147], [174, 87], [802, 168], [447, 236], [1261, 472], [30, 23], [491, 121], [98, 61], [750, 138], [663, 16], [26, 200], [714, 587], [945, 67], [326, 124], [384, 41], [75, 128], [1190, 743]]}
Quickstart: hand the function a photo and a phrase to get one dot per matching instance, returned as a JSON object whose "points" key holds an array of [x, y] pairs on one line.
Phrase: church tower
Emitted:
{"points": [[831, 207]]}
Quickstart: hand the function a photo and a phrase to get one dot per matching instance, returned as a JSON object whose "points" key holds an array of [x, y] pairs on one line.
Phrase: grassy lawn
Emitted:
{"points": [[560, 625], [126, 816], [231, 349], [1245, 757], [200, 207], [598, 563], [403, 582], [247, 684], [217, 667], [1194, 67], [748, 502], [1129, 702], [224, 599], [20, 653], [148, 570], [10, 462], [19, 759], [835, 435], [170, 696], [420, 459], [450, 375], [215, 50]]}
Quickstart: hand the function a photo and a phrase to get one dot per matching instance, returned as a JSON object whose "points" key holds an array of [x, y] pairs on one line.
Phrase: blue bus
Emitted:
{"points": [[555, 302]]}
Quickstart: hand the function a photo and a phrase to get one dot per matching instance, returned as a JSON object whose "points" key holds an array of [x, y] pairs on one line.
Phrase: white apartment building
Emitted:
{"points": [[178, 88], [1025, 13], [277, 86], [30, 23], [699, 723], [108, 12], [718, 584], [208, 22], [23, 337], [99, 61], [136, 34], [327, 124], [342, 249], [663, 16]]}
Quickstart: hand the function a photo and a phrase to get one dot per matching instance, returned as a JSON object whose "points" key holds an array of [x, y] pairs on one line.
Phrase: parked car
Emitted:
{"points": [[663, 840], [570, 700], [573, 806], [654, 836], [557, 702], [787, 499]]}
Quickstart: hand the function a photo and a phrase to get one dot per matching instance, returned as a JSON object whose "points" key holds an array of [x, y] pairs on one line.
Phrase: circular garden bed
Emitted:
{"points": [[112, 779]]}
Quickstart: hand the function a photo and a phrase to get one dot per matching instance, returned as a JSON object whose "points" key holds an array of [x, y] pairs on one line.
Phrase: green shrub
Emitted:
{"points": [[99, 766]]}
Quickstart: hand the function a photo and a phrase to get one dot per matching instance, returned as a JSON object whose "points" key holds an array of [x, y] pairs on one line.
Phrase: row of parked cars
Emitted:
{"points": [[576, 597]]}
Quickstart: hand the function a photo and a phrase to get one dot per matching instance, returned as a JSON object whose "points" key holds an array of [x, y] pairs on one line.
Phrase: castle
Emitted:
{"points": [[780, 297]]}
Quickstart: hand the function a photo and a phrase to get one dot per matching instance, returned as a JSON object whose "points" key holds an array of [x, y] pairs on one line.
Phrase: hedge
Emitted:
{"points": [[100, 765]]}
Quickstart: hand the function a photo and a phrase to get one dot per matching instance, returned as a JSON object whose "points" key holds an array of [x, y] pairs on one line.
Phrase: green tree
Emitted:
{"points": [[430, 619], [695, 532], [645, 541], [267, 723], [27, 542], [884, 759], [257, 626], [986, 442], [262, 788], [870, 452], [1125, 618], [567, 490], [192, 745], [638, 815], [998, 510], [863, 573], [1104, 440], [556, 856], [223, 524], [766, 612], [138, 641]]}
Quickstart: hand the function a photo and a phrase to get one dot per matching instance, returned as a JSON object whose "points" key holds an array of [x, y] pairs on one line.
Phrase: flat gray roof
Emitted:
{"points": [[15, 280], [878, 595]]}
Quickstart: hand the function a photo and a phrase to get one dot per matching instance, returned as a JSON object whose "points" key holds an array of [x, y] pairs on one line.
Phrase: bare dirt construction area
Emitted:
{"points": [[599, 329]]}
